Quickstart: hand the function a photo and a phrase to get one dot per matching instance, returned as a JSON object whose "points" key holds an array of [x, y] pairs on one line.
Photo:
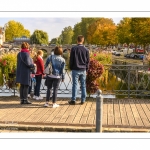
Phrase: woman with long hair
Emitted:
{"points": [[53, 80], [38, 60]]}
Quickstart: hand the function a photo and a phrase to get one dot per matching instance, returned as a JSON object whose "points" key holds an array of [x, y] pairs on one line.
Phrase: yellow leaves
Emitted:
{"points": [[140, 28], [102, 32], [15, 30]]}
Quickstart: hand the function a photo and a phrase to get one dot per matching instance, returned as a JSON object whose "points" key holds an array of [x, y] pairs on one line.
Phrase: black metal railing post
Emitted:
{"points": [[129, 67]]}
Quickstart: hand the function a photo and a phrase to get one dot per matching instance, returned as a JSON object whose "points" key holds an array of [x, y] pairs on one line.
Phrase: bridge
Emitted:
{"points": [[49, 49]]}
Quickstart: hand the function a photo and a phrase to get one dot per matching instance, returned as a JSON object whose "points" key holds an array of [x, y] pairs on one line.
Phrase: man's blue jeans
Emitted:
{"points": [[78, 76]]}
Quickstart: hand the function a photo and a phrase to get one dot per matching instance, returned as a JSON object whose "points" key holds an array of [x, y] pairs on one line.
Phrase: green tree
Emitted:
{"points": [[59, 41], [123, 31], [39, 37], [140, 29], [15, 30], [54, 41], [67, 34], [85, 23], [77, 31]]}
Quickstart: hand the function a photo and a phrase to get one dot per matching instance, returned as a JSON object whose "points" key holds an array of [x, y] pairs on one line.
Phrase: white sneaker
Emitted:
{"points": [[55, 105], [46, 105], [34, 97], [39, 98], [29, 96]]}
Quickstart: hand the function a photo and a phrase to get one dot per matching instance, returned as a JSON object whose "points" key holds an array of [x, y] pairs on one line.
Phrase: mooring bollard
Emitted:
{"points": [[99, 111]]}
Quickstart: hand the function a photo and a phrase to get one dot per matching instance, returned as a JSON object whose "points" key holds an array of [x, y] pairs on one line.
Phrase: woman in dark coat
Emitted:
{"points": [[24, 66]]}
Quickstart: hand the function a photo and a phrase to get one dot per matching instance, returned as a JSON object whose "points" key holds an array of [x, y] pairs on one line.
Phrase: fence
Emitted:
{"points": [[126, 81], [117, 80]]}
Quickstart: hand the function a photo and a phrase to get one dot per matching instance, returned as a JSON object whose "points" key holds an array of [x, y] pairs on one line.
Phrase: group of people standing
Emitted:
{"points": [[30, 69]]}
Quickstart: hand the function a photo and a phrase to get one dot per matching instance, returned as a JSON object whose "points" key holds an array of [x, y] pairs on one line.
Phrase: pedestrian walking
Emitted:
{"points": [[38, 60], [53, 80], [23, 70], [79, 64]]}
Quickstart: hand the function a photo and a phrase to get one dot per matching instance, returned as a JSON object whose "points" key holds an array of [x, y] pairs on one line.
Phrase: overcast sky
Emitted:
{"points": [[53, 26]]}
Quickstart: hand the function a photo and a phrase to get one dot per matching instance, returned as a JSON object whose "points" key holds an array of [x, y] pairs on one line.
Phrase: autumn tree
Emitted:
{"points": [[123, 31], [39, 37], [15, 30], [67, 34], [140, 29], [85, 23], [77, 31], [102, 31]]}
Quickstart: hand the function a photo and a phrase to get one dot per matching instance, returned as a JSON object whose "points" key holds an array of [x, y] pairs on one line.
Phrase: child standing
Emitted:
{"points": [[38, 60]]}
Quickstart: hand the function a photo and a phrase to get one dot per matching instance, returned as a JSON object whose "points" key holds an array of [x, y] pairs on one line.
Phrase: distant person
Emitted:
{"points": [[79, 64], [24, 65], [38, 60], [53, 81]]}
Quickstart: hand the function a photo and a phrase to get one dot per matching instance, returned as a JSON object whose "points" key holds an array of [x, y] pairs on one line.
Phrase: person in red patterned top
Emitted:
{"points": [[38, 60]]}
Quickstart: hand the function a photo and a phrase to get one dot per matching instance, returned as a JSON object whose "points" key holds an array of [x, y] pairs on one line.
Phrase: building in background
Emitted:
{"points": [[2, 35], [18, 41]]}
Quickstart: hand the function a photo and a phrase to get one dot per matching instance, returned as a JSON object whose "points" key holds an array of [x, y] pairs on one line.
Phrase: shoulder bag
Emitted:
{"points": [[49, 69]]}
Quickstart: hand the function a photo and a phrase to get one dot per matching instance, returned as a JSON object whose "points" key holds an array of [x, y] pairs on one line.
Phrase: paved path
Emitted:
{"points": [[118, 115]]}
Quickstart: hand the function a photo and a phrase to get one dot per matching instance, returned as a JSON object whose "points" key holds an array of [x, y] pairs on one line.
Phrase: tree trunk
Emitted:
{"points": [[128, 49], [135, 48], [144, 49]]}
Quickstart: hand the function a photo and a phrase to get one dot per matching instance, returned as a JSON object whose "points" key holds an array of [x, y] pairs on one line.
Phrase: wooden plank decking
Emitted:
{"points": [[120, 113]]}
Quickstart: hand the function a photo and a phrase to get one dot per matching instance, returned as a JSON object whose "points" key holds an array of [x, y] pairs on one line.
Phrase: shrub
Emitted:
{"points": [[8, 64], [94, 72], [104, 58]]}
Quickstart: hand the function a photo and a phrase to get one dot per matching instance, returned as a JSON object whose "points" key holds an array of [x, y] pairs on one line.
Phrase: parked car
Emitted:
{"points": [[117, 53], [113, 52], [141, 56], [134, 55], [139, 50], [131, 55], [123, 52]]}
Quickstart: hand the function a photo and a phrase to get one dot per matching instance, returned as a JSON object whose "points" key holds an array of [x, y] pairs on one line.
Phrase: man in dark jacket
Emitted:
{"points": [[79, 63]]}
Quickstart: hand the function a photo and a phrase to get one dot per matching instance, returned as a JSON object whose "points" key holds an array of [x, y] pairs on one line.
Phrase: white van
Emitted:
{"points": [[123, 52], [127, 51]]}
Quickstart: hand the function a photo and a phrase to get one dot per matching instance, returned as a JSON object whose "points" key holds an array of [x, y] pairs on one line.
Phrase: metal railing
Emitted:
{"points": [[118, 80], [126, 81]]}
